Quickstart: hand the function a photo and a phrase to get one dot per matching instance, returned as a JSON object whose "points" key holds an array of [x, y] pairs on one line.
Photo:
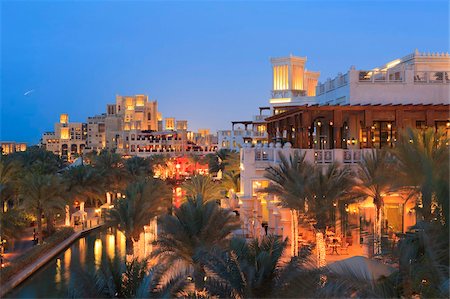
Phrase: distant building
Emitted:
{"points": [[96, 126], [68, 140], [245, 132], [169, 124], [132, 126], [9, 147]]}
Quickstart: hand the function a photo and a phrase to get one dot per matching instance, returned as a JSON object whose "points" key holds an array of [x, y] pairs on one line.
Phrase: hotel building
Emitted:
{"points": [[9, 147], [132, 127], [68, 140], [343, 119]]}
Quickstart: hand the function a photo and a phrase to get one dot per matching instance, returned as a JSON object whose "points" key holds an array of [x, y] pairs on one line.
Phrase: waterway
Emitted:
{"points": [[61, 276]]}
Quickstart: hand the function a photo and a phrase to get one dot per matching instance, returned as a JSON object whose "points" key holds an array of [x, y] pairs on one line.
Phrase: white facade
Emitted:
{"points": [[414, 79], [96, 129], [250, 132], [418, 78]]}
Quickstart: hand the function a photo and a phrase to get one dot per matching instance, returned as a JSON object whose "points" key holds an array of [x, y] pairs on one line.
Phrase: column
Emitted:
{"points": [[337, 136], [369, 137]]}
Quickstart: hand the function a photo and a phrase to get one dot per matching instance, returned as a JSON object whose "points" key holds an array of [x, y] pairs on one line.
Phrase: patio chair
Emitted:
{"points": [[344, 247]]}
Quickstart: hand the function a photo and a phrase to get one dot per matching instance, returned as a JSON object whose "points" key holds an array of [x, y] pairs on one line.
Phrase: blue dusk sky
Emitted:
{"points": [[204, 61]]}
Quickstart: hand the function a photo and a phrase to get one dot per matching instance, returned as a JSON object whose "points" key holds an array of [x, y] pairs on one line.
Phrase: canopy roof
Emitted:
{"points": [[361, 266]]}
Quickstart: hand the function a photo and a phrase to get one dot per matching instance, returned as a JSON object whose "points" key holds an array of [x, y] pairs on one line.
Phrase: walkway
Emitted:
{"points": [[24, 244], [26, 272]]}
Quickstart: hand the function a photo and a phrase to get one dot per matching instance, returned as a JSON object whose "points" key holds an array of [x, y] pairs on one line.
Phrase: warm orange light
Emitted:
{"points": [[65, 133]]}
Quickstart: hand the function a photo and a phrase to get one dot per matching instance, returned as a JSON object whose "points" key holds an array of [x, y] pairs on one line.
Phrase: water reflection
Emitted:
{"points": [[82, 250], [86, 254], [98, 252], [110, 245], [58, 271]]}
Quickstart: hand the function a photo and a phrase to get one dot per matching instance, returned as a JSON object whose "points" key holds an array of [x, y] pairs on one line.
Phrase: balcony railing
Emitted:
{"points": [[324, 156], [352, 156]]}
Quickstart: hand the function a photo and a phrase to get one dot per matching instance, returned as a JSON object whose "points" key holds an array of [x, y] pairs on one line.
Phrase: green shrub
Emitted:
{"points": [[33, 254]]}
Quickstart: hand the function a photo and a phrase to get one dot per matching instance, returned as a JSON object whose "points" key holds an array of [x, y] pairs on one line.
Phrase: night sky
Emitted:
{"points": [[207, 62]]}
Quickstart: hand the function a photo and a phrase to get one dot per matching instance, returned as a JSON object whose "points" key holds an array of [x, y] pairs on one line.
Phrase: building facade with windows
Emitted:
{"points": [[245, 132], [345, 119], [68, 140], [9, 147], [131, 127]]}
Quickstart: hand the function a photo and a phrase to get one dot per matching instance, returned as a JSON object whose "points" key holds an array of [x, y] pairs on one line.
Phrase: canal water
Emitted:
{"points": [[60, 276]]}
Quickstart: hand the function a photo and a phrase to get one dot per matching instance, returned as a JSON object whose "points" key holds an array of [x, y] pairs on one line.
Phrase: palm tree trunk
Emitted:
{"points": [[377, 231], [129, 245], [199, 277], [426, 203], [39, 225], [50, 224], [321, 249]]}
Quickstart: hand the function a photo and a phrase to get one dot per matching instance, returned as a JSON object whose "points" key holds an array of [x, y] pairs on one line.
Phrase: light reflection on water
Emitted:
{"points": [[86, 254]]}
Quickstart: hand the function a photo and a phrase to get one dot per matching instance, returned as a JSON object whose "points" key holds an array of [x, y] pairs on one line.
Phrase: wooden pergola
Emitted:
{"points": [[300, 122]]}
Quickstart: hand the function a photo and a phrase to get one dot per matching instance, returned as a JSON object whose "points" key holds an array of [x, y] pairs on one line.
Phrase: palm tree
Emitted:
{"points": [[423, 156], [224, 160], [118, 278], [144, 200], [42, 194], [9, 176], [326, 187], [255, 269], [111, 168], [158, 164], [82, 183], [424, 262], [138, 167], [38, 160], [289, 181], [195, 227], [194, 160], [375, 179], [12, 225], [202, 185]]}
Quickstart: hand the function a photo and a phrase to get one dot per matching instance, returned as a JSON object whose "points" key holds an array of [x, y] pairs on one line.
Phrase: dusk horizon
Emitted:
{"points": [[193, 57]]}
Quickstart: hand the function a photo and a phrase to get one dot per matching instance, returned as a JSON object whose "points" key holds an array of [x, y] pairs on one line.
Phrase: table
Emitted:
{"points": [[334, 248]]}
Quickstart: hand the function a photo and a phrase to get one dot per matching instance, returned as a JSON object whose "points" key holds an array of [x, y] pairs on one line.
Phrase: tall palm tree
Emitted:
{"points": [[9, 177], [202, 185], [144, 200], [42, 194], [326, 187], [289, 180], [195, 227], [422, 156], [83, 183], [111, 167], [138, 167], [375, 179], [12, 224]]}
